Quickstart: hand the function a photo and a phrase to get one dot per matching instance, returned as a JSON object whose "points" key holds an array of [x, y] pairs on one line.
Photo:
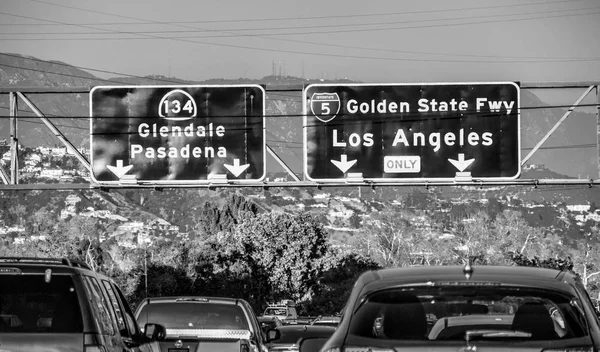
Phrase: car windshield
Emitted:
{"points": [[458, 313], [186, 315], [30, 304]]}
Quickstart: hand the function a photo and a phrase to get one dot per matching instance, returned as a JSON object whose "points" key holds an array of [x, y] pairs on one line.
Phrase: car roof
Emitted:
{"points": [[516, 275], [39, 262], [193, 299], [552, 279], [303, 327], [30, 265]]}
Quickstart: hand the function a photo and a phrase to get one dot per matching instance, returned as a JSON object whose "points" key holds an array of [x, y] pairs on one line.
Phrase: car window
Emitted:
{"points": [[450, 313], [129, 319], [183, 315], [99, 306], [30, 304], [124, 331]]}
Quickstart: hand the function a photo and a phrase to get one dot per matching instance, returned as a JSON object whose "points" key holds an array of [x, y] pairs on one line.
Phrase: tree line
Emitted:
{"points": [[240, 251]]}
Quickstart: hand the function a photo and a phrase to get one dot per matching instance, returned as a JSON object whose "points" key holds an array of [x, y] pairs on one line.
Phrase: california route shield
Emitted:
{"points": [[325, 106]]}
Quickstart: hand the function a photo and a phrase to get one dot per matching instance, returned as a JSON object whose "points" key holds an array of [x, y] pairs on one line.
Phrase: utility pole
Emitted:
{"points": [[146, 269]]}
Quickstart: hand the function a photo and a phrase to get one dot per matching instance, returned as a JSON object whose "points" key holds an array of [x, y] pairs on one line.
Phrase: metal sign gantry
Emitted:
{"points": [[10, 177]]}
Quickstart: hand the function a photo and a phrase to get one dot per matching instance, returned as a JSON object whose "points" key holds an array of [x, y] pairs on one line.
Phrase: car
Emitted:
{"points": [[287, 337], [284, 311], [326, 320], [198, 323], [58, 304], [447, 327], [269, 322], [467, 308]]}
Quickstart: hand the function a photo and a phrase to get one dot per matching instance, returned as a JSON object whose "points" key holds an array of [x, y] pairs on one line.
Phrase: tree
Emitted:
{"points": [[336, 283], [281, 252], [392, 237], [213, 219]]}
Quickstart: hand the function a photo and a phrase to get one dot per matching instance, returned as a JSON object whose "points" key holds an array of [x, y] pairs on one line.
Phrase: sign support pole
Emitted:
{"points": [[14, 140], [598, 125]]}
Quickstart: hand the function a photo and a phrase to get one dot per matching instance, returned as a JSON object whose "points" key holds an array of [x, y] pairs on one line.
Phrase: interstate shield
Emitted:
{"points": [[325, 106]]}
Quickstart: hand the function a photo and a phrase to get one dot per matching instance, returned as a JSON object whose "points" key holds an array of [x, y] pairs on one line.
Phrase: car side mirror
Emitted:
{"points": [[312, 344], [273, 334], [155, 332]]}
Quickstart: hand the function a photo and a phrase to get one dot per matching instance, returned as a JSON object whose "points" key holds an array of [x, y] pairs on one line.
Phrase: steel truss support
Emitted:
{"points": [[282, 163], [70, 147], [563, 118]]}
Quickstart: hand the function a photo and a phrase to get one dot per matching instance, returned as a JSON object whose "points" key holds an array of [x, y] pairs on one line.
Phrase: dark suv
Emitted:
{"points": [[62, 305], [480, 308], [195, 323]]}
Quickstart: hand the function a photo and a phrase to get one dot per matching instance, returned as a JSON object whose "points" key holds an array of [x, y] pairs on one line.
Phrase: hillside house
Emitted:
{"points": [[132, 226], [33, 159], [52, 173], [68, 211], [579, 208], [38, 237], [72, 199], [43, 150], [58, 152], [7, 156]]}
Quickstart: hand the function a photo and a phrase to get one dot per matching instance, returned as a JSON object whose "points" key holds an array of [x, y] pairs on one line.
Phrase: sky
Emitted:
{"points": [[388, 41]]}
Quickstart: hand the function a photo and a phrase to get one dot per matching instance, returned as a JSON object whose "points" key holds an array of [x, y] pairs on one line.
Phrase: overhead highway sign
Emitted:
{"points": [[197, 134], [412, 132]]}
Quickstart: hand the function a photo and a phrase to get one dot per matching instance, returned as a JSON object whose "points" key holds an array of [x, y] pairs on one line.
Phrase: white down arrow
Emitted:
{"points": [[119, 170], [236, 169], [461, 164], [344, 165]]}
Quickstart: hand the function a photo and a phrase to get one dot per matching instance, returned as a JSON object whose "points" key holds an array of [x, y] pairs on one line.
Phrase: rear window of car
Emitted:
{"points": [[29, 304], [187, 315], [291, 335], [490, 312], [275, 311]]}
